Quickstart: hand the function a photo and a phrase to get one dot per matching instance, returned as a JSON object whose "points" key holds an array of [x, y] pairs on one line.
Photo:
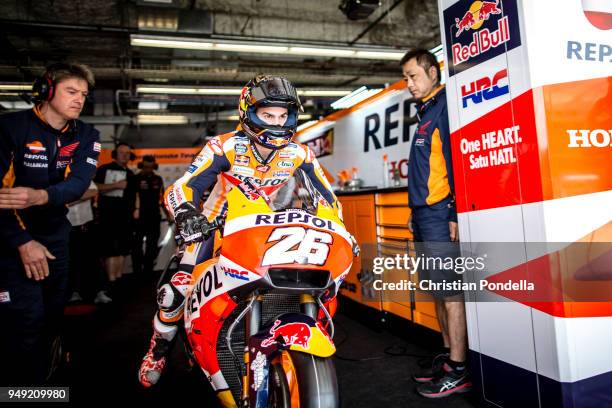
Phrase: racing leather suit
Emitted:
{"points": [[226, 158]]}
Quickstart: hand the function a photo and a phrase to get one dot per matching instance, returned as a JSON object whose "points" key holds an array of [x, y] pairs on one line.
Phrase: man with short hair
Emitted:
{"points": [[433, 221], [116, 207], [150, 198], [47, 159]]}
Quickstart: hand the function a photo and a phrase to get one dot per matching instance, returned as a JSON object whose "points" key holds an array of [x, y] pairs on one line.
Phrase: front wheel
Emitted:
{"points": [[311, 380]]}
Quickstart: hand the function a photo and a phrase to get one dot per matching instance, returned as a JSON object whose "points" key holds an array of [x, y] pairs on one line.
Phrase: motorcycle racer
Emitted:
{"points": [[262, 152]]}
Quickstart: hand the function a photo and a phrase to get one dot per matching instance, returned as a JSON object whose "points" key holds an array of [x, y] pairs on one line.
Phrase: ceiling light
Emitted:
{"points": [[324, 92], [15, 87], [270, 49], [194, 90], [354, 98], [188, 44], [265, 47], [323, 52], [388, 55], [306, 124], [162, 119], [15, 105], [178, 90]]}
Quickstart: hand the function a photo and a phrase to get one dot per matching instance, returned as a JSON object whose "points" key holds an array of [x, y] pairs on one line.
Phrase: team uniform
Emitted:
{"points": [[431, 188], [63, 162]]}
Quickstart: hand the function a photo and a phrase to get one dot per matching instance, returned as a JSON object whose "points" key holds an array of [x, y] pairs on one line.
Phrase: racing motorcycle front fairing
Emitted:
{"points": [[289, 242]]}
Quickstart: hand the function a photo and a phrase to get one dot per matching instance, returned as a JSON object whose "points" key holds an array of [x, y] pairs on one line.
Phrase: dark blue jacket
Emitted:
{"points": [[33, 154], [430, 169]]}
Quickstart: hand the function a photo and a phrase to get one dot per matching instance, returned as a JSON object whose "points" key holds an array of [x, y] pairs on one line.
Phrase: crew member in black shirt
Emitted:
{"points": [[149, 191], [116, 208]]}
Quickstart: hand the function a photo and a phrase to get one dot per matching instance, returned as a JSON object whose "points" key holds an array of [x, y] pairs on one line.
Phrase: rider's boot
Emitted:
{"points": [[154, 361]]}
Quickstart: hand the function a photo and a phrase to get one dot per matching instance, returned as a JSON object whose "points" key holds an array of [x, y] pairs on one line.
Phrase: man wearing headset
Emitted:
{"points": [[150, 192], [47, 159], [261, 151], [116, 207]]}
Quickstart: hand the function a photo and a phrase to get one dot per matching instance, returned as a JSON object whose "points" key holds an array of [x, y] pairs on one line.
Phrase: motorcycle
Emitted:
{"points": [[258, 317]]}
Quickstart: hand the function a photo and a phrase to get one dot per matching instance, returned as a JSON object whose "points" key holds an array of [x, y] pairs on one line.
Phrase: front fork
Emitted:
{"points": [[309, 306]]}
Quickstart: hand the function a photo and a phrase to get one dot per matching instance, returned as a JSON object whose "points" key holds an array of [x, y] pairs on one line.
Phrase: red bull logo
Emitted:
{"points": [[294, 334], [478, 13], [482, 41]]}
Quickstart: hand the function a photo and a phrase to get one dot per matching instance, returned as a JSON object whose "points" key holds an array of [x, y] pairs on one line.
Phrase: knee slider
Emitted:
{"points": [[169, 298]]}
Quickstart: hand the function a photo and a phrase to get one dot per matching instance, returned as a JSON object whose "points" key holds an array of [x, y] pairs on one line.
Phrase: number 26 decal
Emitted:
{"points": [[296, 242]]}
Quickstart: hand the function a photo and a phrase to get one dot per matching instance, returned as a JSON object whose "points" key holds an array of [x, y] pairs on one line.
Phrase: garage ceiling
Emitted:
{"points": [[34, 33]]}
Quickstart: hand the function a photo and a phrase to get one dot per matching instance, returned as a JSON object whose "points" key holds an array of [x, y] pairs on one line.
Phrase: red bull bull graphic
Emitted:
{"points": [[293, 334], [479, 30]]}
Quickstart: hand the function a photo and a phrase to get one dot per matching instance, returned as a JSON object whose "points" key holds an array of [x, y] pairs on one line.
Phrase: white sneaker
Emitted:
{"points": [[102, 298], [76, 297]]}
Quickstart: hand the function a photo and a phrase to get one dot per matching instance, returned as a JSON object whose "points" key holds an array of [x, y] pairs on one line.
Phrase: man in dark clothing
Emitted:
{"points": [[116, 206], [149, 192], [431, 197], [47, 159]]}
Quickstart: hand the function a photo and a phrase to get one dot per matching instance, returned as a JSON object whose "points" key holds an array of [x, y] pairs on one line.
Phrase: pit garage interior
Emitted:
{"points": [[168, 77]]}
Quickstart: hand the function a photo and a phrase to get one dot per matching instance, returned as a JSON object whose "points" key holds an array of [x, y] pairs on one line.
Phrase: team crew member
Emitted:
{"points": [[116, 206], [149, 190], [47, 159], [260, 151], [434, 219]]}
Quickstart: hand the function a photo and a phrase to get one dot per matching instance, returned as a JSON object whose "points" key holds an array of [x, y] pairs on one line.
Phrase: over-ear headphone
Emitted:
{"points": [[150, 159], [43, 89], [114, 151]]}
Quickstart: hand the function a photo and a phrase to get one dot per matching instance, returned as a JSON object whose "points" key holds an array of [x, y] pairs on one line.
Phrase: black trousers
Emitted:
{"points": [[87, 276], [31, 313], [145, 228]]}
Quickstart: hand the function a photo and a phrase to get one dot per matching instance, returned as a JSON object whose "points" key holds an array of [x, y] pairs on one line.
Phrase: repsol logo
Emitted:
{"points": [[589, 138], [290, 217], [373, 126], [207, 284], [259, 182]]}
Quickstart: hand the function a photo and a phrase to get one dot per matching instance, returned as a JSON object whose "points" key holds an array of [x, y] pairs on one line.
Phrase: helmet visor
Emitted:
{"points": [[277, 90]]}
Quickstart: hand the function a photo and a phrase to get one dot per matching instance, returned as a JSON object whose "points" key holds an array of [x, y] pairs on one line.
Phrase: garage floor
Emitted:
{"points": [[107, 345]]}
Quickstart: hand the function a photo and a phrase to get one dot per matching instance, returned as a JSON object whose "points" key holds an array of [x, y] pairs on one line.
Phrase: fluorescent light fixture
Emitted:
{"points": [[180, 90], [15, 87], [150, 105], [195, 90], [354, 98], [265, 47], [15, 105], [306, 124], [388, 55], [323, 52], [324, 92], [187, 44], [162, 119]]}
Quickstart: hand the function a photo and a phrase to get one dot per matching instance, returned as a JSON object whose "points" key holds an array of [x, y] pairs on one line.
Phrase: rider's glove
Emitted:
{"points": [[191, 223]]}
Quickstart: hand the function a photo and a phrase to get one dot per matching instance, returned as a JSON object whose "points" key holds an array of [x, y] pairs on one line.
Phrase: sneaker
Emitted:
{"points": [[435, 371], [153, 362], [450, 383], [75, 298], [102, 298]]}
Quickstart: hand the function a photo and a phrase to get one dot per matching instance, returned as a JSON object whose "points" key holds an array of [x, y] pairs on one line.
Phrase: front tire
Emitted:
{"points": [[316, 380]]}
